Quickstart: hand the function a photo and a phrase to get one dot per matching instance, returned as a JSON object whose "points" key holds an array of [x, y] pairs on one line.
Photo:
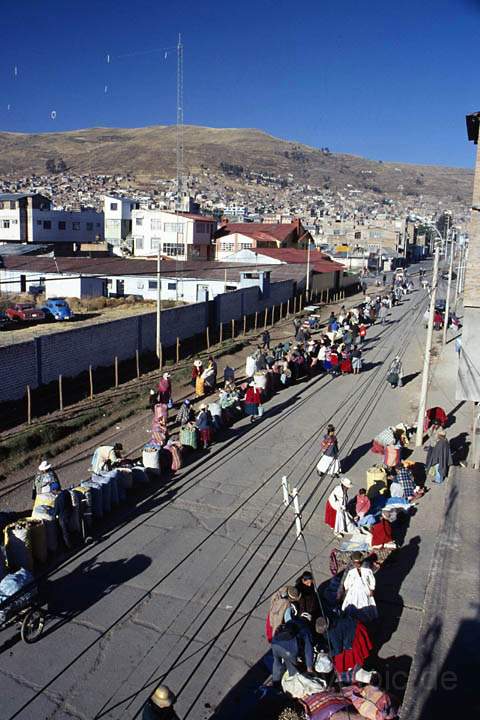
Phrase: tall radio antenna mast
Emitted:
{"points": [[180, 168]]}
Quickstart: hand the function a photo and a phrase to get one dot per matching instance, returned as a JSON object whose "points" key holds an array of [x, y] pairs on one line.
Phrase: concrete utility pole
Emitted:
{"points": [[159, 302], [449, 286], [428, 347], [307, 288]]}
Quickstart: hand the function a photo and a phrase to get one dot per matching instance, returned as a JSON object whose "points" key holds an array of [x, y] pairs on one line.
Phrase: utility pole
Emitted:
{"points": [[428, 347], [159, 302], [457, 283], [307, 288], [449, 286]]}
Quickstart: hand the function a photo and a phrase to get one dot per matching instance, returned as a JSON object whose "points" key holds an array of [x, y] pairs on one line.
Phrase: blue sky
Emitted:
{"points": [[390, 81]]}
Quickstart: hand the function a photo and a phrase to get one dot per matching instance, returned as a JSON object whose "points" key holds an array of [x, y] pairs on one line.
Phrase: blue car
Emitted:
{"points": [[57, 309]]}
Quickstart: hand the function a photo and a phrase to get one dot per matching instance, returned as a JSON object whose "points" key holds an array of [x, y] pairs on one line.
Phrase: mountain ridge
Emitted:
{"points": [[150, 150]]}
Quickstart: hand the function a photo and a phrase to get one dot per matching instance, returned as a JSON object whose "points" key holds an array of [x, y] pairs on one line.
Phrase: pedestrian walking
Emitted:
{"points": [[439, 458], [356, 360], [336, 513], [329, 463], [253, 402], [395, 373], [266, 340]]}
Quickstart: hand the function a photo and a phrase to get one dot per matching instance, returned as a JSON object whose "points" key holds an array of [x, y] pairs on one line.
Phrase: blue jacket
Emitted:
{"points": [[296, 637]]}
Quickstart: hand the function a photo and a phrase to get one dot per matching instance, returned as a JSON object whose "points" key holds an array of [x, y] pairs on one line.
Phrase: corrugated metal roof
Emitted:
{"points": [[5, 197]]}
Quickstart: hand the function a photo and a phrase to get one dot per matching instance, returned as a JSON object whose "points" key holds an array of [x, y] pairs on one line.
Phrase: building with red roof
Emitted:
{"points": [[233, 237]]}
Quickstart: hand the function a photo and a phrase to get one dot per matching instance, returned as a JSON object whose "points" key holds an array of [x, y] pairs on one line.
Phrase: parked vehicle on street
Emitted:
{"points": [[25, 312], [57, 309]]}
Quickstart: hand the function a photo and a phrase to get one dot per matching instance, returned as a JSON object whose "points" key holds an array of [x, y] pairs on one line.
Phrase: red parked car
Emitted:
{"points": [[24, 311]]}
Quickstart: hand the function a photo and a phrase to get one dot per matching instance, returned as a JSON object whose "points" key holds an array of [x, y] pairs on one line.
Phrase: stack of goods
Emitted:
{"points": [[189, 436], [10, 587]]}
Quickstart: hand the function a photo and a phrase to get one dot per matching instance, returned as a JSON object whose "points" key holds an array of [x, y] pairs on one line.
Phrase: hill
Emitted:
{"points": [[151, 151]]}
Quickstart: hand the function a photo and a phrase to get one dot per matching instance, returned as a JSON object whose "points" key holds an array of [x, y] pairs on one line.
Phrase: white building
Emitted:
{"points": [[30, 218], [185, 236], [118, 221]]}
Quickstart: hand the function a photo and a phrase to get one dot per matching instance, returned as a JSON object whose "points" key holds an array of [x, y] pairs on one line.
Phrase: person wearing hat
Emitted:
{"points": [[359, 585], [336, 514], [160, 705], [329, 463], [205, 426], [185, 414], [165, 389], [197, 380], [46, 480], [439, 458], [105, 457], [253, 401]]}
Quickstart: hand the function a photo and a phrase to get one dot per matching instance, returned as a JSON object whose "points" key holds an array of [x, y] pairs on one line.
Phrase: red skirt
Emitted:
{"points": [[206, 436], [357, 654], [346, 366], [381, 533], [330, 515]]}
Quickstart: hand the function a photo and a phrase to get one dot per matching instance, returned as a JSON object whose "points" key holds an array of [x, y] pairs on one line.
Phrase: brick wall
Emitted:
{"points": [[43, 359]]}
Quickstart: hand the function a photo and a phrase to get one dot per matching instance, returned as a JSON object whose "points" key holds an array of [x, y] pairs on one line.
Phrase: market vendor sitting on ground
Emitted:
{"points": [[106, 457]]}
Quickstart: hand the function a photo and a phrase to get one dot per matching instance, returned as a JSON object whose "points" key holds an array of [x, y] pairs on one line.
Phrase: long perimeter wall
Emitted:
{"points": [[40, 361]]}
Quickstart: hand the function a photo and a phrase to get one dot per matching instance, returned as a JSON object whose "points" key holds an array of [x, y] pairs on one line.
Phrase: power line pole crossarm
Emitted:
{"points": [[428, 348]]}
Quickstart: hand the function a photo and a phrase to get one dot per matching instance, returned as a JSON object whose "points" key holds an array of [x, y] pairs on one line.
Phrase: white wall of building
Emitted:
{"points": [[233, 243], [178, 236], [10, 228], [187, 290]]}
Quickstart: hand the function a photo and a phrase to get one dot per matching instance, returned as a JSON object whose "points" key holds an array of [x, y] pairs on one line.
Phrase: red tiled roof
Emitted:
{"points": [[291, 256], [261, 231]]}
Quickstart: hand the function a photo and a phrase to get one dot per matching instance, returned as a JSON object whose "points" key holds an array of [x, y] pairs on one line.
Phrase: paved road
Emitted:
{"points": [[177, 590]]}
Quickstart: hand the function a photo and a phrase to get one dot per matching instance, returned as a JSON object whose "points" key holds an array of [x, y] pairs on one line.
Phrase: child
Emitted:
{"points": [[362, 504]]}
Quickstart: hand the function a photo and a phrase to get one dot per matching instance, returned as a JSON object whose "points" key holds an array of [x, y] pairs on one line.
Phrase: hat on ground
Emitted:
{"points": [[364, 676], [44, 466], [163, 697], [293, 593], [346, 482]]}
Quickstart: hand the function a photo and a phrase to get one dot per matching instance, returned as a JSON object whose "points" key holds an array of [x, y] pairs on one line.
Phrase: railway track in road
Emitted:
{"points": [[363, 400]]}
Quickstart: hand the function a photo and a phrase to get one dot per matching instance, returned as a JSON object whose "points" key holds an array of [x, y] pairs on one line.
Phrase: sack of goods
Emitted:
{"points": [[105, 483], [151, 457], [10, 586], [140, 475], [376, 481], [18, 546], [260, 379], [97, 498], [189, 436], [38, 536]]}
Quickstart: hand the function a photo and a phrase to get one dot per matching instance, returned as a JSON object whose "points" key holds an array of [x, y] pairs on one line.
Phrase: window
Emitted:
{"points": [[139, 221], [173, 227], [75, 226], [1, 205], [245, 246], [13, 204], [171, 286], [89, 226], [6, 224], [227, 246], [47, 225], [139, 243], [14, 222], [155, 224], [154, 243], [62, 225], [358, 235], [152, 284], [174, 249], [113, 206], [201, 227]]}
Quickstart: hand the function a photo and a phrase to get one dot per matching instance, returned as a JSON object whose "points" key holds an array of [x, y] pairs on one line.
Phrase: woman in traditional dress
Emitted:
{"points": [[439, 458], [165, 389], [329, 463], [359, 585], [197, 380], [253, 400], [336, 514]]}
